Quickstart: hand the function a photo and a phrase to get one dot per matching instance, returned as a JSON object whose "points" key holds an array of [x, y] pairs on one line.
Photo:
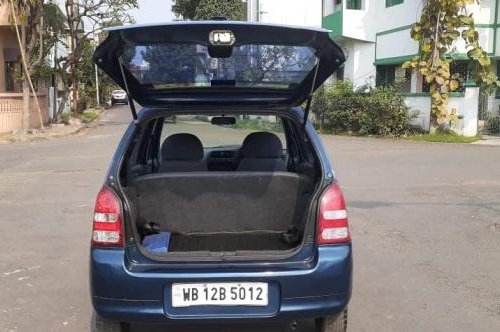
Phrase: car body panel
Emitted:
{"points": [[119, 294]]}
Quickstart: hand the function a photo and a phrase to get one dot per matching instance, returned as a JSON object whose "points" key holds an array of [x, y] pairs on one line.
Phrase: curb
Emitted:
{"points": [[40, 137]]}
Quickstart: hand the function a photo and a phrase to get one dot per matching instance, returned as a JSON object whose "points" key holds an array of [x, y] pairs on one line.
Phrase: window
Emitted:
{"points": [[354, 4], [219, 136], [340, 73], [337, 5], [394, 76], [10, 83], [390, 3], [176, 65], [460, 67]]}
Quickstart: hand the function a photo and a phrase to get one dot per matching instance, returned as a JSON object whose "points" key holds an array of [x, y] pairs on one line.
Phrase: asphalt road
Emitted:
{"points": [[425, 220]]}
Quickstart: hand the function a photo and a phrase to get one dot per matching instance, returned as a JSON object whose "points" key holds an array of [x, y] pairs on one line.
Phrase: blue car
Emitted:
{"points": [[231, 213]]}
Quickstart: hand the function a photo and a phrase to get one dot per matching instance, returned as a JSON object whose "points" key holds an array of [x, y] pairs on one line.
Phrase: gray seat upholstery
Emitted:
{"points": [[222, 201], [182, 153], [262, 152]]}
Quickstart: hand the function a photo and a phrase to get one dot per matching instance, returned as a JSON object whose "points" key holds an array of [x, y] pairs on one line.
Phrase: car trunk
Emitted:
{"points": [[207, 212]]}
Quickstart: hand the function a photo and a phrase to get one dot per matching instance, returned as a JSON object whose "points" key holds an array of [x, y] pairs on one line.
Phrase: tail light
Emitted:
{"points": [[107, 230], [333, 226]]}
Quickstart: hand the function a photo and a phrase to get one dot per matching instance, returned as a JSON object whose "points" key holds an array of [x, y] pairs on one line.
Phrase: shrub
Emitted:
{"points": [[88, 116], [492, 125], [65, 117], [258, 125], [380, 111]]}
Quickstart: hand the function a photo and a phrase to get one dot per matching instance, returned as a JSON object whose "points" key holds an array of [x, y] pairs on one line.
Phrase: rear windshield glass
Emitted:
{"points": [[189, 65], [212, 135]]}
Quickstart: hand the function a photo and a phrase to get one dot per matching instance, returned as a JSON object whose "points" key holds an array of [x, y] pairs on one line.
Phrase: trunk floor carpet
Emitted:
{"points": [[227, 242]]}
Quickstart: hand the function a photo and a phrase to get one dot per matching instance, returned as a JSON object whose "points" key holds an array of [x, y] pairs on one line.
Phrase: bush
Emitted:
{"points": [[492, 125], [65, 117], [380, 111], [88, 116], [258, 125]]}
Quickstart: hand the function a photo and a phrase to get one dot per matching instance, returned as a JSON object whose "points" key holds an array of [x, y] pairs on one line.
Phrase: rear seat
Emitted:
{"points": [[182, 153], [262, 152], [222, 201]]}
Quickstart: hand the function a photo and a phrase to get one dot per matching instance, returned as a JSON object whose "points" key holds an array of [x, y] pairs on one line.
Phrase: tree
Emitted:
{"points": [[173, 64], [185, 8], [442, 23], [207, 9], [85, 19]]}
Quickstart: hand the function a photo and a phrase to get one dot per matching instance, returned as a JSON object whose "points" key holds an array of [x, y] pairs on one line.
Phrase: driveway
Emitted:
{"points": [[425, 220]]}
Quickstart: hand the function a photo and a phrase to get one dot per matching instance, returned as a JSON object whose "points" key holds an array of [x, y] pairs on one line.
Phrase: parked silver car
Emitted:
{"points": [[119, 97]]}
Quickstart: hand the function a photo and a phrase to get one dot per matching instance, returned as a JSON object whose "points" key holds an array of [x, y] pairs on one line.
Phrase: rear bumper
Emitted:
{"points": [[118, 294]]}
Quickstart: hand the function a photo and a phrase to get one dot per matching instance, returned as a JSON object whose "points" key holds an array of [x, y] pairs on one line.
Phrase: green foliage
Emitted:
{"points": [[444, 138], [65, 118], [380, 112], [170, 63], [259, 125], [442, 23], [206, 9], [492, 125], [86, 76], [185, 8], [88, 116]]}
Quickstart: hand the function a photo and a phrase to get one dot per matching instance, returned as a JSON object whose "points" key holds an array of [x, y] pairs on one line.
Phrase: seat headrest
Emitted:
{"points": [[262, 145], [182, 147]]}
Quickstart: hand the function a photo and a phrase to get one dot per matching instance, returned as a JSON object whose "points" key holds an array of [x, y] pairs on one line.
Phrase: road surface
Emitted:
{"points": [[425, 220]]}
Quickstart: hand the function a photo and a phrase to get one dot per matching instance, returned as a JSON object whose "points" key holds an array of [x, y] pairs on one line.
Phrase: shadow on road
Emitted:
{"points": [[303, 326]]}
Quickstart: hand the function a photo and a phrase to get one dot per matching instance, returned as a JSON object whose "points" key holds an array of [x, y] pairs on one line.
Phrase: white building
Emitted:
{"points": [[375, 35], [291, 12]]}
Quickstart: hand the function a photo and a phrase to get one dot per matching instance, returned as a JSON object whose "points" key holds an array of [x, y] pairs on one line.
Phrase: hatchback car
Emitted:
{"points": [[231, 213], [119, 97]]}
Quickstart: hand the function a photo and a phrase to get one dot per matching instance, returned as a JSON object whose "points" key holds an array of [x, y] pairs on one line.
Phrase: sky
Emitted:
{"points": [[153, 11]]}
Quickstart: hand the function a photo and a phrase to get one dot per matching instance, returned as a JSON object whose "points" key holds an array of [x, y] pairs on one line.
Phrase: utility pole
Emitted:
{"points": [[54, 81], [96, 39], [97, 85]]}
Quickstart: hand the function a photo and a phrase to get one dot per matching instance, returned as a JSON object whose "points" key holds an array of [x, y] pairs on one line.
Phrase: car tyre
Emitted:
{"points": [[332, 323], [99, 324]]}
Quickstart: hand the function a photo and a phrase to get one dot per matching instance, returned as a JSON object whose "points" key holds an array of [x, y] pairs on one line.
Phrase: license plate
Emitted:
{"points": [[223, 294]]}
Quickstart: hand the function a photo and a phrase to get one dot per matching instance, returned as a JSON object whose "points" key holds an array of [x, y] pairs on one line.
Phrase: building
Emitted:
{"points": [[290, 12], [11, 98], [375, 36], [9, 53]]}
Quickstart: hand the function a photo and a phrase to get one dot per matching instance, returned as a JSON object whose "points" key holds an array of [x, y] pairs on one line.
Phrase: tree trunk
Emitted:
{"points": [[74, 87], [25, 85], [26, 104]]}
